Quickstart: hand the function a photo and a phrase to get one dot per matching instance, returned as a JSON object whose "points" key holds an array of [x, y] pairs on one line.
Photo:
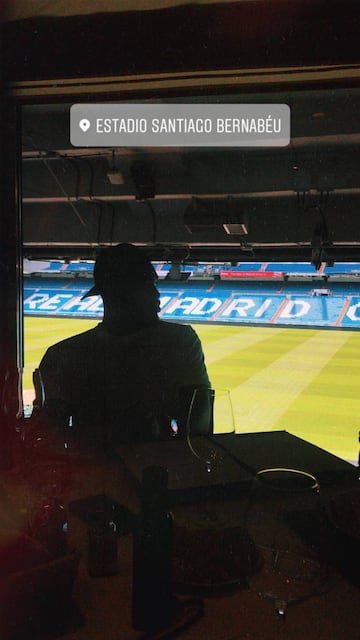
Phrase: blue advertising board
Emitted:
{"points": [[201, 304]]}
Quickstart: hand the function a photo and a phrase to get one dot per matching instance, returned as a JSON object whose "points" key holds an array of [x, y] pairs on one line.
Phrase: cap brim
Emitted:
{"points": [[94, 291]]}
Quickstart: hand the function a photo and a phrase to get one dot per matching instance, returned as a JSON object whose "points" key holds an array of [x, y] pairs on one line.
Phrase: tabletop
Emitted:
{"points": [[239, 610]]}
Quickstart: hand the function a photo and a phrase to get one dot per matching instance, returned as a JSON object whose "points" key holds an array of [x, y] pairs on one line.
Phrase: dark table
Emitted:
{"points": [[236, 614]]}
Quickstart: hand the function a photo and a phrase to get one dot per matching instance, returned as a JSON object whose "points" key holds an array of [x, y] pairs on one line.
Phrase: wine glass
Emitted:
{"points": [[216, 404], [210, 411], [281, 517]]}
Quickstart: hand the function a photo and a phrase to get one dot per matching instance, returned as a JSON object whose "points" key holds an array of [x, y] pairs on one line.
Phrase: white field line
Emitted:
{"points": [[219, 349], [262, 399]]}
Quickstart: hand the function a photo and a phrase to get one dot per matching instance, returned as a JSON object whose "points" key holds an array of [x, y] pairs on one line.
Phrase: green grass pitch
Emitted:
{"points": [[306, 381]]}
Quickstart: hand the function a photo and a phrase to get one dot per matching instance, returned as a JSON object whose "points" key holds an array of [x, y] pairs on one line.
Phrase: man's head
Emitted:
{"points": [[126, 279], [122, 267]]}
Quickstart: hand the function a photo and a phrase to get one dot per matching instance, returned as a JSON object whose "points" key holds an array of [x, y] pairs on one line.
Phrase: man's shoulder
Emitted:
{"points": [[79, 341], [174, 329], [173, 333]]}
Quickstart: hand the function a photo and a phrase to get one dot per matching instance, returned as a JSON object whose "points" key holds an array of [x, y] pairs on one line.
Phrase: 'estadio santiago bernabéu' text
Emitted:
{"points": [[188, 125]]}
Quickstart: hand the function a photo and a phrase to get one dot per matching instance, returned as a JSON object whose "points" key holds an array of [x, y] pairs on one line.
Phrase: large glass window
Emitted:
{"points": [[275, 299]]}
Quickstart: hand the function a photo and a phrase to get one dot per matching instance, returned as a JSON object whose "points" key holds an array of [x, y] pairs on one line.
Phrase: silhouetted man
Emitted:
{"points": [[124, 380]]}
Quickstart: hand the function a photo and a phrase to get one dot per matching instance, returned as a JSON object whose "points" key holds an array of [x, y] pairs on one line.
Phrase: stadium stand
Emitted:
{"points": [[350, 268], [205, 296], [290, 268]]}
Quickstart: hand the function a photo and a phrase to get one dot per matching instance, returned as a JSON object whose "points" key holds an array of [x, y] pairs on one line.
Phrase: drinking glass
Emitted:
{"points": [[211, 458], [220, 420], [281, 515]]}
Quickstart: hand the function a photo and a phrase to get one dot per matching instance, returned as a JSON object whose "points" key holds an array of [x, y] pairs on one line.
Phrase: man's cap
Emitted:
{"points": [[123, 264]]}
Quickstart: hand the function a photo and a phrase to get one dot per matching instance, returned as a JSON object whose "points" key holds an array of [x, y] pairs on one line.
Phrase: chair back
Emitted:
{"points": [[39, 399]]}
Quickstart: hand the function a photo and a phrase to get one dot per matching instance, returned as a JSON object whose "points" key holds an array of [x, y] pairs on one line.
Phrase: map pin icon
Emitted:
{"points": [[84, 124]]}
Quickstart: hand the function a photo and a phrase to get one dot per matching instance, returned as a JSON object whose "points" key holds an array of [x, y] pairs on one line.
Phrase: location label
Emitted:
{"points": [[84, 124]]}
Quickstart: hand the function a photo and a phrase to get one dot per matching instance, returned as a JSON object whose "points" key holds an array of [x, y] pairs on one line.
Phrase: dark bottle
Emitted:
{"points": [[152, 590], [102, 543]]}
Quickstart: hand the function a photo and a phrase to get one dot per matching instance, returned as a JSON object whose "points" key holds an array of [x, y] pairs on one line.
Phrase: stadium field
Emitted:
{"points": [[305, 381]]}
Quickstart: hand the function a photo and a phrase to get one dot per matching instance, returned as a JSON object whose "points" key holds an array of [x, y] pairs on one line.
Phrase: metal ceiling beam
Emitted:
{"points": [[332, 141], [183, 81], [186, 196]]}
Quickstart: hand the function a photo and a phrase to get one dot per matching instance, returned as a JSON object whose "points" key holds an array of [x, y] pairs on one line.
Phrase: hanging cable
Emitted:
{"points": [[112, 221], [64, 192], [154, 221], [91, 181], [74, 164]]}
